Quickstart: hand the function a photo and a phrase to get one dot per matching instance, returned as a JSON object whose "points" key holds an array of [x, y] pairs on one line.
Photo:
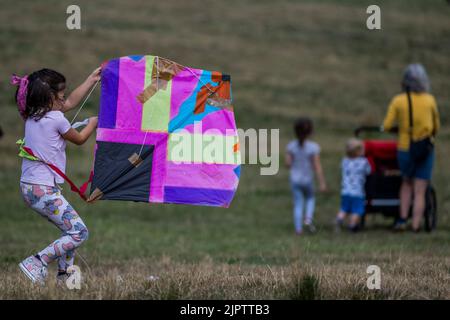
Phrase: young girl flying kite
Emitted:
{"points": [[42, 103]]}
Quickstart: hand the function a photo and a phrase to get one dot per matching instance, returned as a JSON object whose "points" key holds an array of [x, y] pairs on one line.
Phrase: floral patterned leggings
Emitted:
{"points": [[50, 204]]}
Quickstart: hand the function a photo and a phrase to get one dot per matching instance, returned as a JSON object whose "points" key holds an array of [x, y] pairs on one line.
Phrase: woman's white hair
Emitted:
{"points": [[415, 78]]}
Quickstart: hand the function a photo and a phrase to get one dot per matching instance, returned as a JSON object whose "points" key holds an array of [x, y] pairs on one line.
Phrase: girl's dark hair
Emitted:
{"points": [[303, 128], [43, 87]]}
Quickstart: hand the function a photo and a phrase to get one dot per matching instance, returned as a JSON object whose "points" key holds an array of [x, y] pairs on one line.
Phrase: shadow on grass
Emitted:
{"points": [[305, 288]]}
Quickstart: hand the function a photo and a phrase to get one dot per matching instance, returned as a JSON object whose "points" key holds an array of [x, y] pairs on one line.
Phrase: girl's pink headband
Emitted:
{"points": [[22, 82]]}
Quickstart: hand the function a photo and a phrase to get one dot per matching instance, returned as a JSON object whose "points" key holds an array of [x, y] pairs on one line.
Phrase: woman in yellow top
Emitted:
{"points": [[416, 174]]}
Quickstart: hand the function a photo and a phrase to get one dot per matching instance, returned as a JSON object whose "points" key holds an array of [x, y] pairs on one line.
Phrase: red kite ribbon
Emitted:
{"points": [[81, 191]]}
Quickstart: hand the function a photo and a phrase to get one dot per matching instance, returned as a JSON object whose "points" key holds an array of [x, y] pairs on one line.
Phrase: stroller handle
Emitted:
{"points": [[361, 129]]}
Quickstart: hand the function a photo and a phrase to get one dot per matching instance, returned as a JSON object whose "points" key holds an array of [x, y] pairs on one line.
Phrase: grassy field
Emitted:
{"points": [[287, 58]]}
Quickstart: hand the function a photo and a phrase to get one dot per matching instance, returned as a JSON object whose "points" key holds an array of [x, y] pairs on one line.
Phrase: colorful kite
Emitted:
{"points": [[166, 134]]}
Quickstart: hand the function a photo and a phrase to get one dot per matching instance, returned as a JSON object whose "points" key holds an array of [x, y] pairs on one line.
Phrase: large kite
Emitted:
{"points": [[166, 134]]}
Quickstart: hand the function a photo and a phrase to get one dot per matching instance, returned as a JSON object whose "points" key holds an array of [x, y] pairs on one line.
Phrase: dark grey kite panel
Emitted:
{"points": [[117, 177]]}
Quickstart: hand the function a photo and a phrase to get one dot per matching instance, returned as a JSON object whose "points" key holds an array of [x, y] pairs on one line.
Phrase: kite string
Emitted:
{"points": [[85, 263], [79, 109], [84, 102], [200, 79]]}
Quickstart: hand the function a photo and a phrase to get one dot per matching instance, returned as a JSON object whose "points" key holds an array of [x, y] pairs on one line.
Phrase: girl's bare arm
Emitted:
{"points": [[79, 93], [288, 160], [319, 172], [81, 137]]}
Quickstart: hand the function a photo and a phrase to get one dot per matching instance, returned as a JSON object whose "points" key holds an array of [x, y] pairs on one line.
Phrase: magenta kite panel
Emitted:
{"points": [[166, 134]]}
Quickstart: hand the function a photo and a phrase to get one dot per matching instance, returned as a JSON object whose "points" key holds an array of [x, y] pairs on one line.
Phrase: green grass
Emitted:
{"points": [[286, 58]]}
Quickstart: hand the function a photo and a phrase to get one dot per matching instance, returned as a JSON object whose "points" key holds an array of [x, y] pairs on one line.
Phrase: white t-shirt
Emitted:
{"points": [[44, 138], [354, 172], [302, 170]]}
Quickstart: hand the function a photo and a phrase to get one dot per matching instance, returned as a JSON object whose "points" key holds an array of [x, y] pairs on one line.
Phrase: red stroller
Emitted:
{"points": [[383, 184]]}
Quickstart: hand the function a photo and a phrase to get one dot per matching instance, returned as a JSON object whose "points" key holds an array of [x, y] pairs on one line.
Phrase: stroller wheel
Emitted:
{"points": [[430, 214]]}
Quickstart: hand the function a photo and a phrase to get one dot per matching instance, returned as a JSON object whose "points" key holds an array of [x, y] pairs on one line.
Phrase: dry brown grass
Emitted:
{"points": [[415, 279]]}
